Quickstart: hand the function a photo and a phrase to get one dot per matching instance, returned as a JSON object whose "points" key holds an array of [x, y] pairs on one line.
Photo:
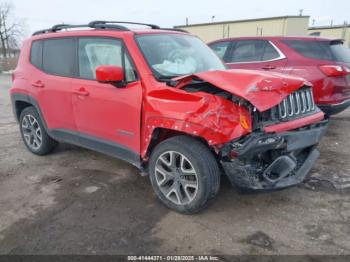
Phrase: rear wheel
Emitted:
{"points": [[34, 134], [184, 174]]}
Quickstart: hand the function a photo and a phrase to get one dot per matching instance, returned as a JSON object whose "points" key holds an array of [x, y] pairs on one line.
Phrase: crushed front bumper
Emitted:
{"points": [[263, 161]]}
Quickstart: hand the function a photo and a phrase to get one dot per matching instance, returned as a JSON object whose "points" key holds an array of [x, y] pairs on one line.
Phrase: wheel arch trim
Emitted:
{"points": [[17, 97], [161, 133]]}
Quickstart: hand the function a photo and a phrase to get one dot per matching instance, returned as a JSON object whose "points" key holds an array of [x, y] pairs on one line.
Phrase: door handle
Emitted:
{"points": [[81, 92], [269, 67], [38, 84]]}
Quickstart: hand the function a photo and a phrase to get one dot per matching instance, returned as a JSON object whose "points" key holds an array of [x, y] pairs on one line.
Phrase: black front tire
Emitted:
{"points": [[204, 164], [31, 125]]}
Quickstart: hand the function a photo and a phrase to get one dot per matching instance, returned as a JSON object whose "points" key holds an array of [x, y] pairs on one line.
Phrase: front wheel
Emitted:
{"points": [[184, 174]]}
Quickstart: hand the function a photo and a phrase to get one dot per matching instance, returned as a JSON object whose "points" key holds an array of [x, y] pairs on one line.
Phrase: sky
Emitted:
{"points": [[45, 13]]}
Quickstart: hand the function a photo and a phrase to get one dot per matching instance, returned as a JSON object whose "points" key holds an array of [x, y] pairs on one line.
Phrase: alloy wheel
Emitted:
{"points": [[176, 177], [31, 132]]}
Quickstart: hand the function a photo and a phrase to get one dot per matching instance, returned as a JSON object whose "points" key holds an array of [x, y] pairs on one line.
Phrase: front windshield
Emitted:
{"points": [[171, 55]]}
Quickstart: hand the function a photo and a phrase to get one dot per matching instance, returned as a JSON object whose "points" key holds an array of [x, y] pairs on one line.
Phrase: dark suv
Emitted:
{"points": [[161, 100], [323, 62]]}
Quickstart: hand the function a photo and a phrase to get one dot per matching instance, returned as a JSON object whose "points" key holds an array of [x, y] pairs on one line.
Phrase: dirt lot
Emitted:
{"points": [[76, 201]]}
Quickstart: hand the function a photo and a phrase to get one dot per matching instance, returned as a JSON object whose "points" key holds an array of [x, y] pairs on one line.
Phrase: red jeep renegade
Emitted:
{"points": [[161, 100]]}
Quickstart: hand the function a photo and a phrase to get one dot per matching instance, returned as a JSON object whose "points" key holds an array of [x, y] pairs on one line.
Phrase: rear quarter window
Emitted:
{"points": [[36, 52]]}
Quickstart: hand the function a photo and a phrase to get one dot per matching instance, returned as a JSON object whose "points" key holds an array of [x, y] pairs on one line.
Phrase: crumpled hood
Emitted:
{"points": [[262, 89]]}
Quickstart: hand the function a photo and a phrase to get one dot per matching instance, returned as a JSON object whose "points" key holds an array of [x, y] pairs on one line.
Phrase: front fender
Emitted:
{"points": [[200, 114]]}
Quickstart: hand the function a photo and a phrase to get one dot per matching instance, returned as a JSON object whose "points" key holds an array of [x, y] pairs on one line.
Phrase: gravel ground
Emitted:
{"points": [[76, 201]]}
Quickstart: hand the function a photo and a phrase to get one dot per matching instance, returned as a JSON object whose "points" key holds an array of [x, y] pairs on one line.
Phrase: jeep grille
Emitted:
{"points": [[298, 103]]}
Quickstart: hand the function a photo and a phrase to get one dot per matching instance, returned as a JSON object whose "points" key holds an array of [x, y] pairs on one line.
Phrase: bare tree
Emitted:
{"points": [[11, 29]]}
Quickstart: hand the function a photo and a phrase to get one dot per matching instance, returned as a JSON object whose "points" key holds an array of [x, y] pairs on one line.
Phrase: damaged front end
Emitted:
{"points": [[286, 127], [271, 161], [264, 128], [273, 156]]}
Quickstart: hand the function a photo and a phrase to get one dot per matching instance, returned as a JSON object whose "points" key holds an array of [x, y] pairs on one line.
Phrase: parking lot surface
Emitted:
{"points": [[76, 201]]}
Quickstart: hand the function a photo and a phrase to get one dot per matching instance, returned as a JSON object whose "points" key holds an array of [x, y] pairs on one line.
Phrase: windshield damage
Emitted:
{"points": [[173, 55]]}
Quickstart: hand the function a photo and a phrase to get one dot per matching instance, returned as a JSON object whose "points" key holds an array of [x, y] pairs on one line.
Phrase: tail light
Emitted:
{"points": [[335, 70]]}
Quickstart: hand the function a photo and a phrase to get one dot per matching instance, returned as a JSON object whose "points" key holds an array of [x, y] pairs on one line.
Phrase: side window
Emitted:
{"points": [[58, 56], [270, 52], [247, 51], [253, 51], [220, 49], [94, 52], [36, 53]]}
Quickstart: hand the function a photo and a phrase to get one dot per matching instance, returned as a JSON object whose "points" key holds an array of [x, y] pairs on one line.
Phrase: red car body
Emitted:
{"points": [[323, 62], [93, 108], [233, 113]]}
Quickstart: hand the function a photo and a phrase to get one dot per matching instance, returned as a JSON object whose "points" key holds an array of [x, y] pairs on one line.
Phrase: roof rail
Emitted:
{"points": [[43, 31], [102, 25], [96, 25], [108, 24], [58, 27]]}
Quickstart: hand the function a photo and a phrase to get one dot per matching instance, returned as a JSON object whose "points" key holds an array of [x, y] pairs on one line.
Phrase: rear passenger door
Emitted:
{"points": [[255, 54], [53, 60], [104, 113]]}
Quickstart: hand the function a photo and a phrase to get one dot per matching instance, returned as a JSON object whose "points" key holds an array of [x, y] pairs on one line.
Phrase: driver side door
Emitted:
{"points": [[107, 116]]}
